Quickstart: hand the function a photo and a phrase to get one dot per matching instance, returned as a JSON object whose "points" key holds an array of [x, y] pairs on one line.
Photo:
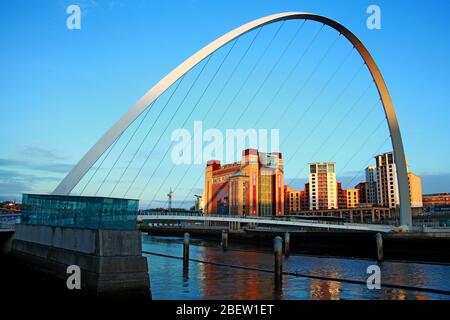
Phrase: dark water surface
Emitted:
{"points": [[169, 280]]}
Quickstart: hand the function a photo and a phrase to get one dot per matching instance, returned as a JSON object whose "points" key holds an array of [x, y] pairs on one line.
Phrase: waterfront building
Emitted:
{"points": [[323, 187], [387, 183], [415, 190], [371, 184], [342, 196], [386, 179], [253, 186], [352, 196], [295, 200], [363, 194], [436, 200]]}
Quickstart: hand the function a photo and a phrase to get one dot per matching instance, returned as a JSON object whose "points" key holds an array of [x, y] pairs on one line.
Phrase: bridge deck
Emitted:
{"points": [[284, 221]]}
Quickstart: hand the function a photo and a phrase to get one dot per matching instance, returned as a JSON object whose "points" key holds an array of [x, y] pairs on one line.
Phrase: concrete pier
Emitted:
{"points": [[278, 257], [110, 261], [379, 240], [6, 236], [287, 243], [186, 241], [224, 239]]}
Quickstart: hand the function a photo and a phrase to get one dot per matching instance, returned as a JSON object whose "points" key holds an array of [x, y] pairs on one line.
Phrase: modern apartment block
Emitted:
{"points": [[371, 184], [386, 183], [386, 178], [295, 200], [323, 186], [254, 186], [363, 193]]}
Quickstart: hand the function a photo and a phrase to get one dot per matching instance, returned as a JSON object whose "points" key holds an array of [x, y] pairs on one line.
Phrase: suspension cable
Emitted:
{"points": [[270, 72], [189, 116], [311, 132], [101, 163], [213, 104], [123, 149], [170, 121], [340, 122], [364, 142], [319, 94], [347, 139], [316, 67], [289, 75], [147, 134], [370, 160]]}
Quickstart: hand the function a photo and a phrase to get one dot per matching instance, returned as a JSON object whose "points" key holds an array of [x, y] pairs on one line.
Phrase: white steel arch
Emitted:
{"points": [[96, 151]]}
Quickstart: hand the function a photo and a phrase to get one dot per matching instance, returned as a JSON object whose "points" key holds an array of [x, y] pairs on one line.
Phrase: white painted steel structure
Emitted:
{"points": [[267, 221], [89, 159]]}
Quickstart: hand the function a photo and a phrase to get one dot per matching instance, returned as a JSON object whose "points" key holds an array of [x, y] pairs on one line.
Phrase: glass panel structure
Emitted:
{"points": [[80, 211]]}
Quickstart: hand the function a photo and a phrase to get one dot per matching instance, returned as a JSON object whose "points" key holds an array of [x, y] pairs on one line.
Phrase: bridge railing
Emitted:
{"points": [[8, 221], [259, 219], [256, 218]]}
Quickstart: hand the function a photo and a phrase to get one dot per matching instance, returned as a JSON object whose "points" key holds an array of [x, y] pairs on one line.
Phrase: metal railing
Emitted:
{"points": [[255, 219], [9, 221]]}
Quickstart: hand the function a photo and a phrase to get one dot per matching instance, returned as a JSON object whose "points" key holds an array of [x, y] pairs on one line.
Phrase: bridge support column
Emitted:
{"points": [[6, 241], [287, 241], [379, 240], [224, 239], [278, 256], [186, 241]]}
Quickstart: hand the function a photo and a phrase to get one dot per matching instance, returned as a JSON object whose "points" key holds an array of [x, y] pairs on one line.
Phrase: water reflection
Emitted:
{"points": [[173, 279], [325, 290]]}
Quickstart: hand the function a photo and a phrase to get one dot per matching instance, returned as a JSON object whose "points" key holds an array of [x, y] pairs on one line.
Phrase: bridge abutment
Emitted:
{"points": [[5, 241], [110, 261]]}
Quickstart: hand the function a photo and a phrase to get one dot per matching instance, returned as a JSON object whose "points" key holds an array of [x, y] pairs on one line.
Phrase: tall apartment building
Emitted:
{"points": [[386, 180], [322, 186], [254, 186], [387, 183], [371, 184]]}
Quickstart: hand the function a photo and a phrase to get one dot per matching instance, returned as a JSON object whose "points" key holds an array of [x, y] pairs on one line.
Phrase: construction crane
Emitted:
{"points": [[169, 195]]}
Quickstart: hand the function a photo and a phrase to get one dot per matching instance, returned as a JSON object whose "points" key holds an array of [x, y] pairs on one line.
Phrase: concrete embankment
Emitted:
{"points": [[426, 247], [110, 261]]}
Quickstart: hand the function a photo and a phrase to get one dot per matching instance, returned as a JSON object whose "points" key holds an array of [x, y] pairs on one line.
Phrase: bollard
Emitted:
{"points": [[278, 255], [224, 239], [379, 239], [186, 247], [287, 240]]}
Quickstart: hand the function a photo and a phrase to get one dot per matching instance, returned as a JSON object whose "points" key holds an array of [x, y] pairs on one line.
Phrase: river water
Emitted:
{"points": [[170, 280]]}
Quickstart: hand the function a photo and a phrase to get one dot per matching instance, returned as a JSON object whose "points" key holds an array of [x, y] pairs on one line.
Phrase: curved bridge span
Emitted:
{"points": [[145, 102], [286, 222]]}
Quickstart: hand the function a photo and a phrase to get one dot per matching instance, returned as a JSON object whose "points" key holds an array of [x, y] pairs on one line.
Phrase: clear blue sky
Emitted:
{"points": [[62, 89]]}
